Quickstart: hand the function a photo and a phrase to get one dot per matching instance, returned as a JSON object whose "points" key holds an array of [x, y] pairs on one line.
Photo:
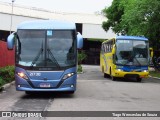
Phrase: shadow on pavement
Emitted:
{"points": [[46, 95], [144, 80]]}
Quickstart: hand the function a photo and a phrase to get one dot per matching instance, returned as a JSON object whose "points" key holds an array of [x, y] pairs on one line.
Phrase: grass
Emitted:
{"points": [[80, 69], [6, 75], [155, 73]]}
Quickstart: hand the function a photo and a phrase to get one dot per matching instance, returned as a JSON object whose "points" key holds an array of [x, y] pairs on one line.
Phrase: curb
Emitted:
{"points": [[7, 85], [80, 72], [154, 77]]}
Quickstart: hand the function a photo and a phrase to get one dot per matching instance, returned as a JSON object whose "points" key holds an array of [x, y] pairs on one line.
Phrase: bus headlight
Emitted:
{"points": [[119, 70], [67, 75], [22, 75], [145, 71]]}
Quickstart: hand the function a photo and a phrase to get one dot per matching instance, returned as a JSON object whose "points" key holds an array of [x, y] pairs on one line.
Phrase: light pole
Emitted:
{"points": [[11, 16]]}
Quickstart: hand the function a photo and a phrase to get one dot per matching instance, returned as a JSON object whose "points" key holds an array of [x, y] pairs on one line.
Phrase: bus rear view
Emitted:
{"points": [[46, 55]]}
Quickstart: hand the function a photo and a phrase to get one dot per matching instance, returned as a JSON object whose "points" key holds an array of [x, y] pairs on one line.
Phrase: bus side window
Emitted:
{"points": [[112, 43], [102, 48], [106, 47], [110, 46]]}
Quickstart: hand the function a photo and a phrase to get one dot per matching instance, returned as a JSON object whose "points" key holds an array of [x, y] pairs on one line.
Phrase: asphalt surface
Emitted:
{"points": [[94, 93]]}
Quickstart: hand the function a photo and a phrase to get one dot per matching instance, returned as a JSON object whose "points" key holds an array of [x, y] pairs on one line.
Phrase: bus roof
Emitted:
{"points": [[127, 38], [46, 24], [131, 38]]}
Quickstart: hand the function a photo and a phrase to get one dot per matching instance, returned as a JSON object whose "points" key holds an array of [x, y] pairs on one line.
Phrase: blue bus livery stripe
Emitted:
{"points": [[131, 38], [134, 68]]}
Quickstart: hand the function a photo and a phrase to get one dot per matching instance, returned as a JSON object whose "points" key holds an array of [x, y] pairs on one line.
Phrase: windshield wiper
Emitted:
{"points": [[54, 59], [137, 61], [37, 57], [132, 58]]}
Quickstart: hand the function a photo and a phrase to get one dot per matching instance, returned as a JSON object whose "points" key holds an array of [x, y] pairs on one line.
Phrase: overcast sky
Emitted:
{"points": [[73, 6]]}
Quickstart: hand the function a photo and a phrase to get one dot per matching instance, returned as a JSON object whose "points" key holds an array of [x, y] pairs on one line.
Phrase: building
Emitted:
{"points": [[89, 25]]}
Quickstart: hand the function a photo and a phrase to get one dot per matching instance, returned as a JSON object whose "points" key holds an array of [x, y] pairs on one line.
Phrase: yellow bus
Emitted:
{"points": [[125, 57]]}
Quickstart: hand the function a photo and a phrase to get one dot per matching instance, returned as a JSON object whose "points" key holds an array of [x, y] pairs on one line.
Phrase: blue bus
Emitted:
{"points": [[45, 55]]}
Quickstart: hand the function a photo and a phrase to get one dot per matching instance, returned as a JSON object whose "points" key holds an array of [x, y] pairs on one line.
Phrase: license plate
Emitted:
{"points": [[45, 85]]}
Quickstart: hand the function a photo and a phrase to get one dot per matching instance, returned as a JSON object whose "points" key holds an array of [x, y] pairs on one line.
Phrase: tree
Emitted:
{"points": [[135, 17], [142, 18], [113, 14], [81, 57]]}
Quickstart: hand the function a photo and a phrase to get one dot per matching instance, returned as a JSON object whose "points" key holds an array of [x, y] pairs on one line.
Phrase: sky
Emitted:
{"points": [[72, 6]]}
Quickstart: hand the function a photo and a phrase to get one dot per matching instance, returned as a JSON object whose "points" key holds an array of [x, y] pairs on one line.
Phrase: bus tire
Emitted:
{"points": [[106, 75], [139, 79], [28, 92], [70, 92], [112, 77]]}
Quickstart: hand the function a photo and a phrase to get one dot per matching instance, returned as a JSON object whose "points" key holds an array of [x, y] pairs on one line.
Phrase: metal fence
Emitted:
{"points": [[6, 56]]}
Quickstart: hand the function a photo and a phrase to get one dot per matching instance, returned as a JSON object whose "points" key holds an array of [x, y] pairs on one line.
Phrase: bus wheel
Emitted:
{"points": [[70, 92], [139, 79], [28, 92], [106, 75], [112, 77]]}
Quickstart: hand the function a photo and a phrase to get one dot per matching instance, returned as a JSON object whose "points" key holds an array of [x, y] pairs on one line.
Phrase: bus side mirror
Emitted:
{"points": [[151, 52], [151, 56], [79, 40], [10, 42]]}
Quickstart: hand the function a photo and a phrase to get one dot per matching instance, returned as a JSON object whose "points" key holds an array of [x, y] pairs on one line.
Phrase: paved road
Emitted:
{"points": [[94, 93]]}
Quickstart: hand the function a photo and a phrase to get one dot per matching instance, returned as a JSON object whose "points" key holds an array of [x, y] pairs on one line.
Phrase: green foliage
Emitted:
{"points": [[135, 17], [155, 74], [80, 69], [6, 75], [113, 14], [81, 56], [2, 82]]}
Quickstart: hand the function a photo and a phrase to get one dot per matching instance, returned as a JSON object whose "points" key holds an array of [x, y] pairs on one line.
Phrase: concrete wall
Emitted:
{"points": [[5, 21], [96, 31]]}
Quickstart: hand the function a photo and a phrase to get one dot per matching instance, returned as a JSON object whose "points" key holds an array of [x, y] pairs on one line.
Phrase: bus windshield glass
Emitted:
{"points": [[132, 52], [46, 48]]}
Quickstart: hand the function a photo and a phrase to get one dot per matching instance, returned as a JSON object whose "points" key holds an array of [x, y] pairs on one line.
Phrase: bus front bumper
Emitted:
{"points": [[47, 90], [131, 74], [67, 85]]}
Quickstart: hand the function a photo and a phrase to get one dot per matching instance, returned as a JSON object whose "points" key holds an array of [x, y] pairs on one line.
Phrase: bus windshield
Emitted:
{"points": [[46, 48], [132, 52]]}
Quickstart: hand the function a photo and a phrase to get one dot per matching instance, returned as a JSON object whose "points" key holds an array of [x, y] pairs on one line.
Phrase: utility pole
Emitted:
{"points": [[11, 17]]}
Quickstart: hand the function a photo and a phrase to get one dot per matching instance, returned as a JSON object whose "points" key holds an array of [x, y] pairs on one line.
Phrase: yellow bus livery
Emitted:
{"points": [[125, 57]]}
